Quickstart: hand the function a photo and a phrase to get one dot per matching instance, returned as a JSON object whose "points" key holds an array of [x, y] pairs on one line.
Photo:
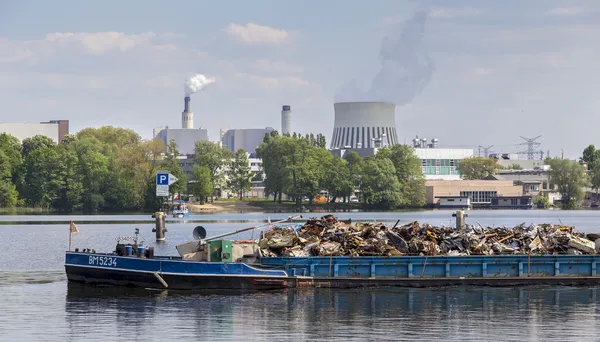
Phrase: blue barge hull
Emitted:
{"points": [[339, 272]]}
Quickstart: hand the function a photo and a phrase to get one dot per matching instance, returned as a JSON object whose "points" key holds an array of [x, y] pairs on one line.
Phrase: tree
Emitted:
{"points": [[213, 157], [40, 177], [93, 167], [570, 178], [172, 165], [589, 154], [202, 185], [35, 142], [409, 173], [338, 181], [381, 186], [595, 175], [477, 167], [153, 151], [8, 191], [239, 177], [68, 182], [12, 148], [276, 177], [301, 162], [355, 168], [321, 141]]}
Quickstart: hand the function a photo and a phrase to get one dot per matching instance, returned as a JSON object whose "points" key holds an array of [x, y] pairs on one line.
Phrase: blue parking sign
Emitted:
{"points": [[162, 179]]}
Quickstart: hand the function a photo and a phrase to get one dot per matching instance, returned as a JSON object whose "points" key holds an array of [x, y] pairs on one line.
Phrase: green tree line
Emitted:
{"points": [[301, 167], [103, 169]]}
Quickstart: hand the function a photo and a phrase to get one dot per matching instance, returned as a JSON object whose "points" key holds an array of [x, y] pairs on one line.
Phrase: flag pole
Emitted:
{"points": [[70, 233]]}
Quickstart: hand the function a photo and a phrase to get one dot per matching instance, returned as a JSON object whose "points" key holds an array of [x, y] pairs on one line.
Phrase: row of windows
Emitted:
{"points": [[439, 162], [439, 170], [479, 196], [353, 136]]}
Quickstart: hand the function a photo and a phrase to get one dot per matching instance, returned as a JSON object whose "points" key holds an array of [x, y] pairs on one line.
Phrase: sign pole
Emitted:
{"points": [[163, 180]]}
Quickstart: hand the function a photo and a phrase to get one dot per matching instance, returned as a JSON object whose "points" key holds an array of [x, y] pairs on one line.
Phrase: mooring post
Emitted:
{"points": [[160, 225], [460, 219]]}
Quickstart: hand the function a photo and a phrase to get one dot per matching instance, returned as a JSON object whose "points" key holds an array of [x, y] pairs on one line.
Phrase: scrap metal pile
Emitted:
{"points": [[329, 236]]}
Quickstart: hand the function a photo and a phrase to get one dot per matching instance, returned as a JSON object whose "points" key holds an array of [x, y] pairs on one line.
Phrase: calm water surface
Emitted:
{"points": [[37, 304]]}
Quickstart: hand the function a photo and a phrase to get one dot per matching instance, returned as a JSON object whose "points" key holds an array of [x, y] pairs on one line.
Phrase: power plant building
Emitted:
{"points": [[187, 136], [247, 139], [359, 125], [55, 129], [439, 163]]}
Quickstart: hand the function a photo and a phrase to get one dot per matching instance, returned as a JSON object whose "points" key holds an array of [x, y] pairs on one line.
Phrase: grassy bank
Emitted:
{"points": [[268, 205], [24, 211]]}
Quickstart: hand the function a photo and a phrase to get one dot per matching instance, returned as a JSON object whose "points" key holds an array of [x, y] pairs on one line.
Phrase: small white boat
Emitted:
{"points": [[180, 210]]}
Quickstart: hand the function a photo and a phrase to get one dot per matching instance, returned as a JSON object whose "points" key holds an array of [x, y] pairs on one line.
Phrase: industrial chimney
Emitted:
{"points": [[286, 120], [187, 117]]}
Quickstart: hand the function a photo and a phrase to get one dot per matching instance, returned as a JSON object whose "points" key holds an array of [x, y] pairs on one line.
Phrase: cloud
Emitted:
{"points": [[90, 43], [268, 82], [447, 13], [566, 11], [164, 81], [481, 71], [257, 34], [275, 67], [96, 43]]}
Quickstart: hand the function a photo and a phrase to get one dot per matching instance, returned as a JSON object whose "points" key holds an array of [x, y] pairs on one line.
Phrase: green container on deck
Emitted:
{"points": [[221, 251]]}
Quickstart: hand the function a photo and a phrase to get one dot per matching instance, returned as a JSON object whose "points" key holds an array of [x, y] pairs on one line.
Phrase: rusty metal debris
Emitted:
{"points": [[329, 236]]}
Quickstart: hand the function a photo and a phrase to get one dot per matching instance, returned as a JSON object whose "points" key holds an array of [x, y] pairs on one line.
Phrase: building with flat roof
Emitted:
{"points": [[185, 138], [54, 129], [478, 191], [247, 139], [442, 163], [509, 159]]}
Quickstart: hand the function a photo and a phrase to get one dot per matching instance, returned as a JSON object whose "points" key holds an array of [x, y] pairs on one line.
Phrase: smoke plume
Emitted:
{"points": [[197, 83], [405, 66]]}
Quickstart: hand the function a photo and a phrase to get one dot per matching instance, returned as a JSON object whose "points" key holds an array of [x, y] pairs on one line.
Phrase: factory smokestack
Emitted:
{"points": [[286, 120], [187, 117], [187, 104]]}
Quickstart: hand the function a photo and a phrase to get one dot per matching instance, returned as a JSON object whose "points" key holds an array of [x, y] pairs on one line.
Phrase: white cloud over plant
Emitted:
{"points": [[252, 33]]}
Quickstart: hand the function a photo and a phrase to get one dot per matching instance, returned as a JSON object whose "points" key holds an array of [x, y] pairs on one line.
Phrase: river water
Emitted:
{"points": [[37, 304]]}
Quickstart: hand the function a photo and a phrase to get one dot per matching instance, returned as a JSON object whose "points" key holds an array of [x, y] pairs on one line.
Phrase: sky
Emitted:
{"points": [[468, 72]]}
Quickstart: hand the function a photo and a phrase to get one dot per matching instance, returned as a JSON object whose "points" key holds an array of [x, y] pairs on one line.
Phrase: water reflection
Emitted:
{"points": [[453, 313]]}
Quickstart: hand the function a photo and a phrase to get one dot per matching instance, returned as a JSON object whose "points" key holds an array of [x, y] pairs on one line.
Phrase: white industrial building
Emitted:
{"points": [[55, 129], [187, 136], [257, 191], [247, 139], [510, 159], [359, 125], [439, 163]]}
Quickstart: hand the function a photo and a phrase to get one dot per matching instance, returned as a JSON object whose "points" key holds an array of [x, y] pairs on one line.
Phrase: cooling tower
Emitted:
{"points": [[364, 125]]}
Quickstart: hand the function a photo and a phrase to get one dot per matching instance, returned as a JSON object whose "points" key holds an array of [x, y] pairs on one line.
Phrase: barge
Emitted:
{"points": [[221, 264]]}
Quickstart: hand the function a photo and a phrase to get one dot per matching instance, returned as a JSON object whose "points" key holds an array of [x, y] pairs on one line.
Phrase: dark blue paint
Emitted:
{"points": [[439, 266], [365, 267], [170, 265]]}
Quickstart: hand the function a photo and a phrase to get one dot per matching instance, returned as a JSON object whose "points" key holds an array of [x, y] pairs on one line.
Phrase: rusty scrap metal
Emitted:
{"points": [[329, 236]]}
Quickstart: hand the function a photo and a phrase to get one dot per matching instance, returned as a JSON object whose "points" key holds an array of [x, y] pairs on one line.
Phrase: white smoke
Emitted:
{"points": [[405, 67], [197, 83]]}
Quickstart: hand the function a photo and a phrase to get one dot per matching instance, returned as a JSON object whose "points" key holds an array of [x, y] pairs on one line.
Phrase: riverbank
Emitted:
{"points": [[246, 206]]}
